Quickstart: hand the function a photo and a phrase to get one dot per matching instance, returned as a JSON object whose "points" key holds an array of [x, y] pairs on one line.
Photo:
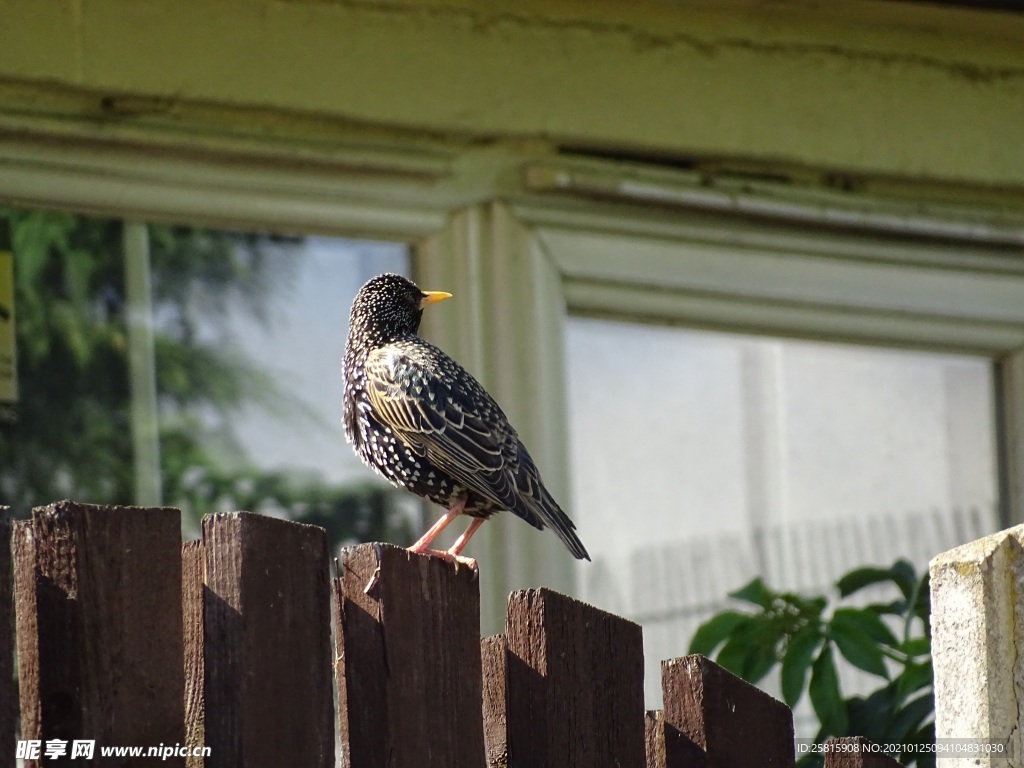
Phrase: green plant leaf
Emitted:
{"points": [[825, 696], [866, 621], [916, 646], [901, 573], [733, 656], [750, 650], [921, 758], [815, 605], [856, 645], [743, 648], [894, 608], [797, 662], [870, 716], [754, 592], [914, 677], [904, 577], [860, 578], [910, 717], [758, 663], [716, 630]]}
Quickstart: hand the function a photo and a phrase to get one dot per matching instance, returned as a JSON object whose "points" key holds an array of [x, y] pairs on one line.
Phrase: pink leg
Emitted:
{"points": [[424, 543], [465, 537], [422, 547]]}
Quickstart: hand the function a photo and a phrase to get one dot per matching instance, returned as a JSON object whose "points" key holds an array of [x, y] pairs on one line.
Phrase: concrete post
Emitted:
{"points": [[977, 635]]}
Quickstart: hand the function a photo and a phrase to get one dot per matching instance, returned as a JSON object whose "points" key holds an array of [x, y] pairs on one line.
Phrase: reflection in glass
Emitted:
{"points": [[71, 434], [246, 343], [702, 459]]}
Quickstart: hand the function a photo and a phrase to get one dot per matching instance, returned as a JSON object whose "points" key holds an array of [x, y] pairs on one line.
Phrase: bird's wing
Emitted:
{"points": [[443, 413], [459, 429]]}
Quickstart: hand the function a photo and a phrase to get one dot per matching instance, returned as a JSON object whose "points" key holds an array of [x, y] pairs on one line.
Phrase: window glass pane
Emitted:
{"points": [[70, 434], [240, 337], [300, 345], [703, 459], [260, 418]]}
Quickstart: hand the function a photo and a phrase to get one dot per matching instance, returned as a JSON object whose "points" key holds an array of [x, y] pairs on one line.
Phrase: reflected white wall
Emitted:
{"points": [[702, 459], [303, 346]]}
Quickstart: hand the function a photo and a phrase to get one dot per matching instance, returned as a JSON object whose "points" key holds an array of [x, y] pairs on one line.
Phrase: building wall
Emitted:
{"points": [[902, 91]]}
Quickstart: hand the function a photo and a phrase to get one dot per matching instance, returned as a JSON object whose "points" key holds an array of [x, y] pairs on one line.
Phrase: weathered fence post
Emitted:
{"points": [[575, 684], [654, 732], [98, 603], [494, 660], [977, 645], [8, 687], [855, 752], [716, 719], [193, 584], [266, 656], [408, 661]]}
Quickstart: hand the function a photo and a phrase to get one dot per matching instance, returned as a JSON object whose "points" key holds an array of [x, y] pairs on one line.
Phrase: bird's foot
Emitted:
{"points": [[451, 557]]}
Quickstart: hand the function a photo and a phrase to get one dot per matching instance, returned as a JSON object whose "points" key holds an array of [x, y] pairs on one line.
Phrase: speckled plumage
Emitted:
{"points": [[417, 418]]}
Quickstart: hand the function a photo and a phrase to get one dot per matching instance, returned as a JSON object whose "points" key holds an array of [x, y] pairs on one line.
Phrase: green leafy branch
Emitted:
{"points": [[71, 440], [800, 635]]}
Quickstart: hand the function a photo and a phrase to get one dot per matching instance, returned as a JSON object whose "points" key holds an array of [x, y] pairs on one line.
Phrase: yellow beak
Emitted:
{"points": [[432, 297]]}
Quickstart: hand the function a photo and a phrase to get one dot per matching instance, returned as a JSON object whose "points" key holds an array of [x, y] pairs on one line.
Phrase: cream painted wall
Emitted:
{"points": [[866, 87]]}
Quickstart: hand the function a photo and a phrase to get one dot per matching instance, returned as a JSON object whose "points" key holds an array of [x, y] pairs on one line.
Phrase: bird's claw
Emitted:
{"points": [[454, 559], [469, 562]]}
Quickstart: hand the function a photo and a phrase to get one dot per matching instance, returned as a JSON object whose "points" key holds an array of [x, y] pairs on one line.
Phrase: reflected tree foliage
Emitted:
{"points": [[72, 435]]}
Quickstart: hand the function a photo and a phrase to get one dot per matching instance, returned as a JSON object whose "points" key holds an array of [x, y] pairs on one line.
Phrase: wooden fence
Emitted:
{"points": [[128, 638]]}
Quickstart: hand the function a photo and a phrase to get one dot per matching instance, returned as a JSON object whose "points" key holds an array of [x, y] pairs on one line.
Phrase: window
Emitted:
{"points": [[701, 460], [585, 239], [198, 368], [301, 345], [527, 275]]}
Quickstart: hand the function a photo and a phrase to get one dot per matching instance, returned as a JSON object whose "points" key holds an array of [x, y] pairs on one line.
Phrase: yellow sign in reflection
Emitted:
{"points": [[8, 374]]}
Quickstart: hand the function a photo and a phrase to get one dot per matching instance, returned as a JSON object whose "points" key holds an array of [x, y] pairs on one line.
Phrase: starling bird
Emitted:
{"points": [[418, 419]]}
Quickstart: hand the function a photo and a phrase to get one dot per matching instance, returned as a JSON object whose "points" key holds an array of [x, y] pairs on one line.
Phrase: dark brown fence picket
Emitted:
{"points": [[193, 587], [716, 719], [8, 687], [654, 732], [408, 660], [575, 684], [267, 655], [494, 660], [98, 595]]}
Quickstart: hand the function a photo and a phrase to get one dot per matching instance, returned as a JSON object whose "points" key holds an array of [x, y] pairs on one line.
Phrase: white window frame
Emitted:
{"points": [[595, 239]]}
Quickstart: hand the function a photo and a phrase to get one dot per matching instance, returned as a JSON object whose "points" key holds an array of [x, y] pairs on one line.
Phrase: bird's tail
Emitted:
{"points": [[548, 513]]}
